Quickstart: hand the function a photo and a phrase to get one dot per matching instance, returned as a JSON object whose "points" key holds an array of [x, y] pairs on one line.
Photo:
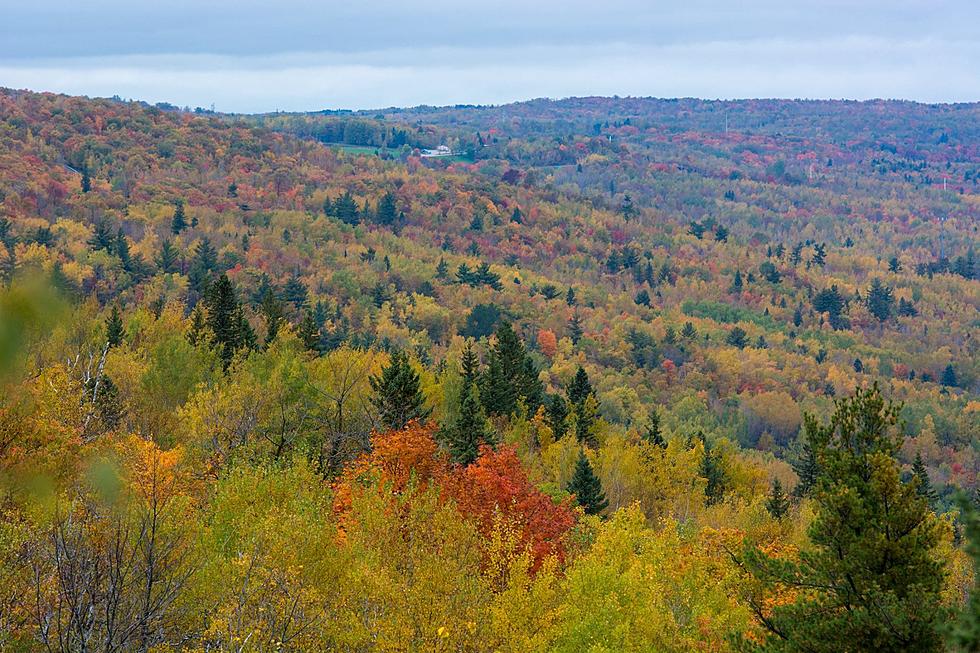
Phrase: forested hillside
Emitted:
{"points": [[615, 375]]}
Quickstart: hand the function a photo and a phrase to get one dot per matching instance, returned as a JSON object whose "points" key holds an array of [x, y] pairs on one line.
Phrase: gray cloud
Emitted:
{"points": [[246, 56]]}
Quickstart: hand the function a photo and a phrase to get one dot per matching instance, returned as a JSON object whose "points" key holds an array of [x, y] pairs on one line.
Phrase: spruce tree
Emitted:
{"points": [[556, 416], [948, 377], [777, 503], [114, 328], [586, 487], [871, 578], [510, 376], [737, 338], [923, 484], [178, 223], [713, 473], [397, 394], [575, 331], [195, 334], [273, 314], [346, 209], [653, 432], [226, 320], [309, 332], [880, 300], [469, 430], [387, 210], [580, 387], [469, 364], [807, 468], [167, 259]]}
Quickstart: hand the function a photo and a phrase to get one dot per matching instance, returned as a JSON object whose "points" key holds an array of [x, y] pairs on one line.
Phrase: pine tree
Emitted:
{"points": [[510, 376], [777, 504], [114, 328], [345, 208], [653, 433], [737, 282], [713, 473], [226, 320], [556, 416], [273, 314], [737, 338], [880, 300], [570, 297], [442, 270], [575, 331], [295, 291], [397, 394], [586, 487], [387, 210], [807, 468], [309, 332], [167, 259], [871, 578], [86, 180], [689, 332], [923, 484], [179, 222], [580, 387], [948, 377], [469, 430], [469, 364]]}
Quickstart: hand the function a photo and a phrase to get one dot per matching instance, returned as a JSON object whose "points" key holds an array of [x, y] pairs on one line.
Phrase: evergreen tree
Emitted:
{"points": [[653, 433], [469, 364], [570, 297], [713, 473], [737, 282], [575, 331], [777, 504], [273, 314], [203, 265], [345, 208], [469, 430], [737, 338], [689, 332], [86, 180], [387, 210], [167, 259], [642, 298], [948, 377], [510, 376], [798, 316], [309, 332], [580, 387], [586, 487], [556, 416], [923, 484], [880, 300], [397, 394], [102, 237], [114, 328], [178, 223], [226, 319], [871, 579], [807, 468], [295, 291], [442, 270]]}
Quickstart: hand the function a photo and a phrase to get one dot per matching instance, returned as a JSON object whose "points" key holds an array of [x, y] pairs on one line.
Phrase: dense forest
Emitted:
{"points": [[618, 374]]}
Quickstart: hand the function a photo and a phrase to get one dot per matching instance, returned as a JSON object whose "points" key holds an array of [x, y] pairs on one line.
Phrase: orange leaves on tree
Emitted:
{"points": [[547, 342], [496, 485], [494, 490]]}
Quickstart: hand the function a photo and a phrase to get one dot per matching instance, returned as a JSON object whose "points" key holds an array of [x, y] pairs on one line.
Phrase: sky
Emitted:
{"points": [[307, 55]]}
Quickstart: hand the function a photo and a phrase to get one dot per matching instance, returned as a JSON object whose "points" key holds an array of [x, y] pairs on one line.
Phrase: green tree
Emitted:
{"points": [[387, 210], [948, 377], [226, 320], [923, 484], [871, 579], [114, 328], [469, 429], [397, 394], [510, 376], [273, 314], [586, 487], [167, 259], [556, 416], [880, 300], [309, 332], [737, 338], [346, 209], [179, 222], [777, 503]]}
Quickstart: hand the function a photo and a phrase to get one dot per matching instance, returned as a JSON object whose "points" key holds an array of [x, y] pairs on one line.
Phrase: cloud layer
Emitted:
{"points": [[247, 58]]}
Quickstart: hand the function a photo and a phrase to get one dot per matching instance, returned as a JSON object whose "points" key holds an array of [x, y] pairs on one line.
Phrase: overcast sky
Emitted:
{"points": [[248, 56]]}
